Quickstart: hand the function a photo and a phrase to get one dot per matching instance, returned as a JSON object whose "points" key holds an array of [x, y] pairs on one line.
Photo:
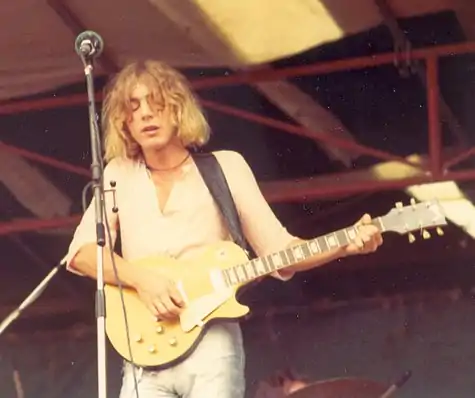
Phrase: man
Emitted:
{"points": [[280, 385], [152, 121]]}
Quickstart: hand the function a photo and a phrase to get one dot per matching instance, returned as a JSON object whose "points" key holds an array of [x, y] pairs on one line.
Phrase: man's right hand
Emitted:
{"points": [[158, 293]]}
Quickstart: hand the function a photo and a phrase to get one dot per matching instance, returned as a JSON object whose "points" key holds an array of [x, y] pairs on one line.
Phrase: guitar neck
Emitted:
{"points": [[243, 273]]}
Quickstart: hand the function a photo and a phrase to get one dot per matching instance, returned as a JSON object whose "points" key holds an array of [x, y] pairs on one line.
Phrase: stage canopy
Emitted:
{"points": [[329, 101]]}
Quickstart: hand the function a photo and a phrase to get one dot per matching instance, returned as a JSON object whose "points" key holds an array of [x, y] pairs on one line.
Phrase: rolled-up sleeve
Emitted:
{"points": [[263, 230], [86, 230]]}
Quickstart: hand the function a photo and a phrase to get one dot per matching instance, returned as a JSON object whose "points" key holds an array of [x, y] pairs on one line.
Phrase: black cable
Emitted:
{"points": [[124, 310]]}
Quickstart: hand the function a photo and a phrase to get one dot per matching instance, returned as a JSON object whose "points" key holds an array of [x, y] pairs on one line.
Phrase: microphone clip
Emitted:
{"points": [[115, 209]]}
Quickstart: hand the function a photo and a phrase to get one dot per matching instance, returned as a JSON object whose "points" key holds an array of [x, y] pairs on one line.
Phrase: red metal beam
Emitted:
{"points": [[41, 104], [322, 68], [258, 75], [276, 192], [435, 140], [291, 128], [35, 224], [308, 189]]}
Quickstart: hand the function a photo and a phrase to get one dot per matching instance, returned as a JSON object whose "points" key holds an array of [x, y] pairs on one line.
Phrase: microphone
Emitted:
{"points": [[89, 44]]}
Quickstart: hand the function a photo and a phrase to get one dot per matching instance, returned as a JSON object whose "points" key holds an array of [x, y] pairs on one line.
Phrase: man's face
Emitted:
{"points": [[150, 122]]}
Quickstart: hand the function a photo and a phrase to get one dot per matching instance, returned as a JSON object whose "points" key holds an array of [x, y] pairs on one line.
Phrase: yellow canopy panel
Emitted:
{"points": [[261, 31]]}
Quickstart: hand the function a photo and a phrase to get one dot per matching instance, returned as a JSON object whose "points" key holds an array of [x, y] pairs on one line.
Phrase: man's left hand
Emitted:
{"points": [[367, 240]]}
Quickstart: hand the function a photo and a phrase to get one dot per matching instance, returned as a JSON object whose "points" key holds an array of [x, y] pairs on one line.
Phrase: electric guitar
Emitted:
{"points": [[210, 282]]}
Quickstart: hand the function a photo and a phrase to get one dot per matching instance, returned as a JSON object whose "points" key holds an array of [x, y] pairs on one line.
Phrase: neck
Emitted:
{"points": [[166, 157]]}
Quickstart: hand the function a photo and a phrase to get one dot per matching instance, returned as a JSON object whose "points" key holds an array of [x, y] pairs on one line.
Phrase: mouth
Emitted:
{"points": [[150, 129]]}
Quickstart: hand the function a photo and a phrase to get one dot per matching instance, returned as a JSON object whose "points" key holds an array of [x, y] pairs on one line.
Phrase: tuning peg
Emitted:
{"points": [[412, 238], [399, 205], [440, 231], [413, 202], [425, 234]]}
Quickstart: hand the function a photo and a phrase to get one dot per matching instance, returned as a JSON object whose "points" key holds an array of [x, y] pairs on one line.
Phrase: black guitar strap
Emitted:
{"points": [[215, 180]]}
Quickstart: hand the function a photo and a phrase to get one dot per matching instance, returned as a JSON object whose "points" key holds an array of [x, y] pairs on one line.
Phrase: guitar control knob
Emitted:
{"points": [[138, 338], [173, 342], [151, 349], [159, 329]]}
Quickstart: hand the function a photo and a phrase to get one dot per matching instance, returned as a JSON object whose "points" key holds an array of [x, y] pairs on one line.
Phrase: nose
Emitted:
{"points": [[145, 110]]}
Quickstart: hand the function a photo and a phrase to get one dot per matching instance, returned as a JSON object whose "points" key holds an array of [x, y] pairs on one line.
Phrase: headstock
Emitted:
{"points": [[415, 217]]}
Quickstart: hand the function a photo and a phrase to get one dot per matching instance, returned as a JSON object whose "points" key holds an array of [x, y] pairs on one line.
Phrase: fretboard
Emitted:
{"points": [[261, 266]]}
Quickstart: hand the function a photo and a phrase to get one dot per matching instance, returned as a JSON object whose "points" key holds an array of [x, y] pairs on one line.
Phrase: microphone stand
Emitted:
{"points": [[97, 184], [30, 299]]}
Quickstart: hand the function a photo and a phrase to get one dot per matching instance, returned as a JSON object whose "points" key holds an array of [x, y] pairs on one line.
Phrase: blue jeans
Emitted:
{"points": [[214, 370]]}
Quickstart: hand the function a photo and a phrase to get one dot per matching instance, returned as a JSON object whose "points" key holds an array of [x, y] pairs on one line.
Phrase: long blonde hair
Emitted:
{"points": [[164, 82]]}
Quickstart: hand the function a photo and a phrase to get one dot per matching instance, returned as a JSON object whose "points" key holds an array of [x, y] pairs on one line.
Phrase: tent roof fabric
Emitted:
{"points": [[38, 50]]}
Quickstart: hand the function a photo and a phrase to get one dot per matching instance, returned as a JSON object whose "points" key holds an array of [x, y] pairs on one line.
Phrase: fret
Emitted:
{"points": [[270, 262], [232, 276], [297, 253], [306, 250], [332, 241], [244, 271], [342, 237], [314, 246], [250, 271], [347, 236], [287, 256], [239, 273], [254, 268], [266, 264], [276, 261], [263, 265], [352, 232], [260, 266], [322, 242], [226, 277]]}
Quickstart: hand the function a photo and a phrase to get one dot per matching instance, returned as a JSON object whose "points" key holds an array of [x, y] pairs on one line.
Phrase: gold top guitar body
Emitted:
{"points": [[207, 295], [209, 284]]}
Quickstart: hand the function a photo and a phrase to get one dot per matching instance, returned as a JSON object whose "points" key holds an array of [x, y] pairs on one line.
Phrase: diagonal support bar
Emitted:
{"points": [[59, 164], [302, 131], [460, 157]]}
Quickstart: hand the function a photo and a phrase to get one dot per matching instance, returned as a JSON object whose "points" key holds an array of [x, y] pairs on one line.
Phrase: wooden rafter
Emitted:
{"points": [[31, 187], [291, 100], [465, 11]]}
